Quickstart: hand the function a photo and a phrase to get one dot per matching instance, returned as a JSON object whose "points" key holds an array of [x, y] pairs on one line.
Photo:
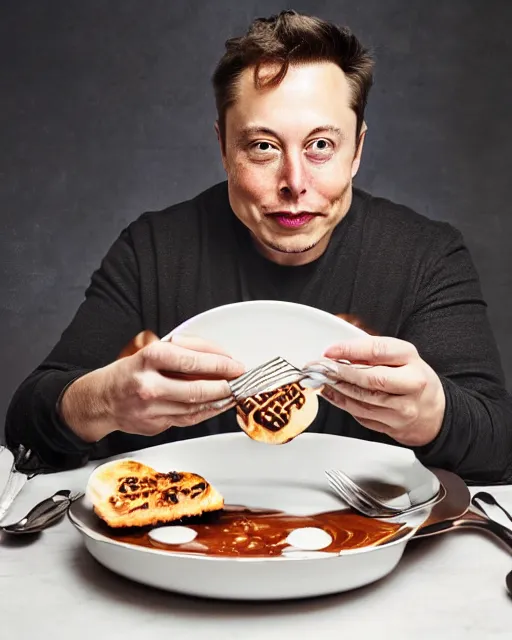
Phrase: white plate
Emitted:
{"points": [[290, 478], [256, 331]]}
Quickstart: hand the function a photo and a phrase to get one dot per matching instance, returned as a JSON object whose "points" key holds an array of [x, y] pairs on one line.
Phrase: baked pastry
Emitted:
{"points": [[278, 416], [127, 493]]}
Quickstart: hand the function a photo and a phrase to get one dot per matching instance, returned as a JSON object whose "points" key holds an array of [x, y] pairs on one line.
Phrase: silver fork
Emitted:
{"points": [[264, 378], [373, 505], [278, 372]]}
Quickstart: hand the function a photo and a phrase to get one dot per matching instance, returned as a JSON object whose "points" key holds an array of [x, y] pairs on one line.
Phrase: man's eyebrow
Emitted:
{"points": [[328, 128], [257, 130]]}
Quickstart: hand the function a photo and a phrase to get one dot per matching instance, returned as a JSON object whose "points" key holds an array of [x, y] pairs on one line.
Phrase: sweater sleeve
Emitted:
{"points": [[450, 328], [105, 322]]}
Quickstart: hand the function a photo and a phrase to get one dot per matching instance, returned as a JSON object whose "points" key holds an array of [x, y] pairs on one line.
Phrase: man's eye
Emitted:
{"points": [[320, 145], [263, 146]]}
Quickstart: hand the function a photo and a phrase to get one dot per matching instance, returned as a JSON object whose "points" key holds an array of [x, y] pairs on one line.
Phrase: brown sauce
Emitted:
{"points": [[238, 531]]}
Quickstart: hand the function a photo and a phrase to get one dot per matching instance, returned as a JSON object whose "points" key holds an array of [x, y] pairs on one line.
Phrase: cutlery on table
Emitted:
{"points": [[44, 514], [16, 479], [487, 522], [459, 511], [490, 501]]}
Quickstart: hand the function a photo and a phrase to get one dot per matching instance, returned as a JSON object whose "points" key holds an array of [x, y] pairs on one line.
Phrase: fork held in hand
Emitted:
{"points": [[266, 377], [278, 372]]}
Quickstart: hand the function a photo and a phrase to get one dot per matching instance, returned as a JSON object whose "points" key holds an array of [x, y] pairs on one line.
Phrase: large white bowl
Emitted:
{"points": [[291, 478], [259, 330]]}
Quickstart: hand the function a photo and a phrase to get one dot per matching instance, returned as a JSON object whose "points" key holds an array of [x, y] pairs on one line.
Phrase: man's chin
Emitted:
{"points": [[290, 247], [292, 250], [295, 250]]}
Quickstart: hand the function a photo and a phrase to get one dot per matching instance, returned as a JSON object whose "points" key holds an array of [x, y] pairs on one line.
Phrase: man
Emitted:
{"points": [[288, 224]]}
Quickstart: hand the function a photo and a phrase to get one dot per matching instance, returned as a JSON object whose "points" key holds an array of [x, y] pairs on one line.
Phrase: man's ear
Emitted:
{"points": [[359, 150], [221, 143]]}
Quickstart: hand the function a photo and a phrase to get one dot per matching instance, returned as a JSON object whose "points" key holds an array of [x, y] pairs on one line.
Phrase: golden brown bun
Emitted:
{"points": [[127, 493], [279, 416]]}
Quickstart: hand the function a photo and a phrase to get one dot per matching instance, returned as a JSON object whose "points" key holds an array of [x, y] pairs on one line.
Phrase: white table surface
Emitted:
{"points": [[448, 587]]}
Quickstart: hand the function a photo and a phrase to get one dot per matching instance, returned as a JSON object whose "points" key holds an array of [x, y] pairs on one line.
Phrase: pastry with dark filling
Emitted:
{"points": [[127, 493], [278, 416]]}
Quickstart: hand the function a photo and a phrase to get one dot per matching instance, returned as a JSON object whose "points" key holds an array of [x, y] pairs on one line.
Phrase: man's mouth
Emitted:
{"points": [[291, 220]]}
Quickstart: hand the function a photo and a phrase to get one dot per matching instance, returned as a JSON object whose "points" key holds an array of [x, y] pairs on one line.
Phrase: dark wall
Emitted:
{"points": [[106, 111]]}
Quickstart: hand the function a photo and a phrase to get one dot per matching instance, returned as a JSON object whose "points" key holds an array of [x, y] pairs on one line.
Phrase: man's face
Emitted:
{"points": [[290, 155]]}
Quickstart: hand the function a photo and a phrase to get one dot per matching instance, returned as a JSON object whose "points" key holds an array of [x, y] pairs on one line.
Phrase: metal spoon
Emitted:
{"points": [[44, 514], [490, 500]]}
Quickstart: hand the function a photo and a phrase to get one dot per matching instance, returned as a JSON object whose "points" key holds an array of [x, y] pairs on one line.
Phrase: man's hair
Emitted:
{"points": [[286, 39]]}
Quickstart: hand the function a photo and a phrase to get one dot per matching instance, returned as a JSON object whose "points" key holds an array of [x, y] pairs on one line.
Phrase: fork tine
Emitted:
{"points": [[270, 383], [257, 374], [350, 498], [266, 377], [254, 374], [351, 486], [336, 486], [342, 489], [361, 501], [365, 501]]}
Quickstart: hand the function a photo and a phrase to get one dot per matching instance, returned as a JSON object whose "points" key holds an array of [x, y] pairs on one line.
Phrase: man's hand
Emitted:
{"points": [[399, 394], [164, 384]]}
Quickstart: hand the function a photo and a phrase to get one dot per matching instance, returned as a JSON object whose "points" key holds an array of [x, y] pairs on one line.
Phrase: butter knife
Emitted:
{"points": [[15, 481]]}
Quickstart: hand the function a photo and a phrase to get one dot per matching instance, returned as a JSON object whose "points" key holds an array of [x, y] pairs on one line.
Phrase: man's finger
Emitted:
{"points": [[339, 400], [363, 411], [373, 351], [160, 389], [387, 380], [171, 358], [376, 398], [160, 408]]}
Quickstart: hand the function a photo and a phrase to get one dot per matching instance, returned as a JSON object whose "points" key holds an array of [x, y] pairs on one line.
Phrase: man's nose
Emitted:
{"points": [[292, 181]]}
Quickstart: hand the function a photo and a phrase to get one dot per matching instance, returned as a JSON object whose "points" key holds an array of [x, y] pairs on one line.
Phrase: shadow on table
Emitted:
{"points": [[133, 594], [18, 541]]}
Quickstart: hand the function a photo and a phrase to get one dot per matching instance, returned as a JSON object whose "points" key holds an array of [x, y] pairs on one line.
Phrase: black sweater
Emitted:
{"points": [[400, 273]]}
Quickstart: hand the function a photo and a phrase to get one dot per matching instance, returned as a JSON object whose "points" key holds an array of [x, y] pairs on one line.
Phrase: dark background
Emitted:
{"points": [[106, 111]]}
